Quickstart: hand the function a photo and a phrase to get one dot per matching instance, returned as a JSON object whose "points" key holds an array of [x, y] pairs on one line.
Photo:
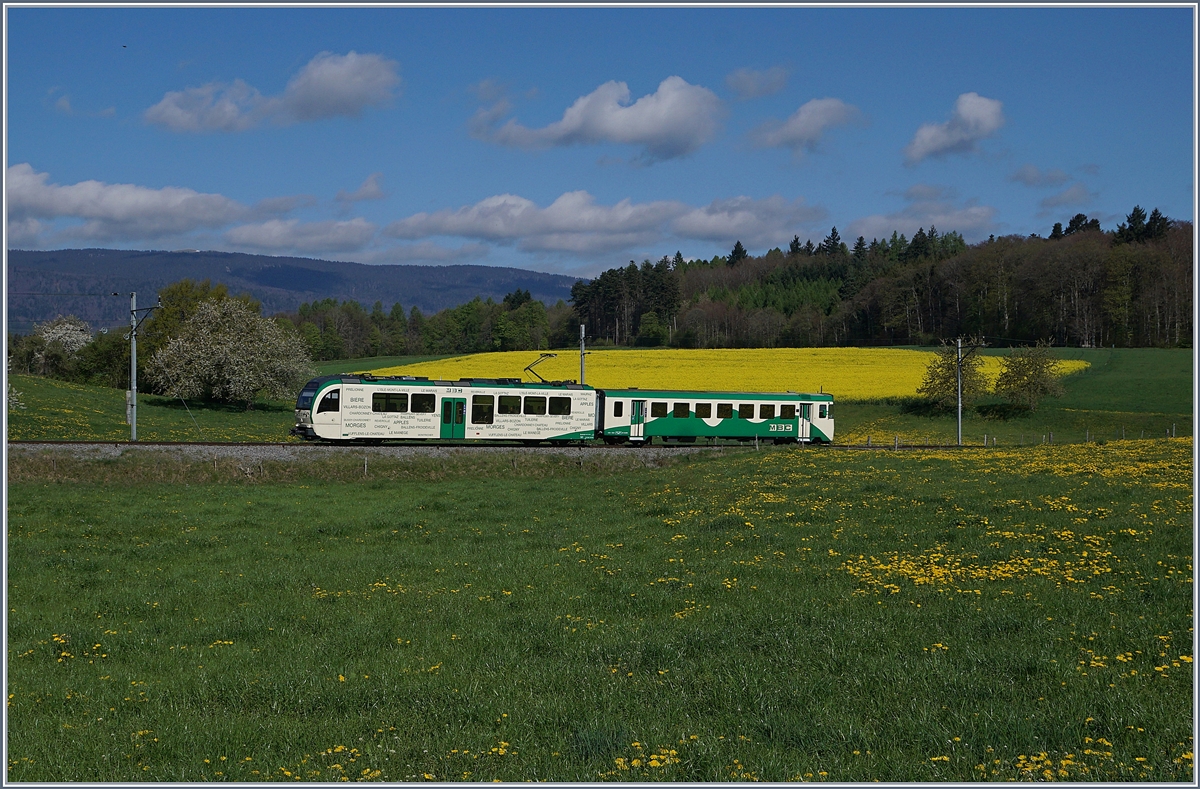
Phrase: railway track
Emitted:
{"points": [[491, 445]]}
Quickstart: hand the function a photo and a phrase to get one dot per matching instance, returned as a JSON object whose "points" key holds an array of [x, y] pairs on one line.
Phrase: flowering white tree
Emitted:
{"points": [[227, 352], [14, 397], [70, 332]]}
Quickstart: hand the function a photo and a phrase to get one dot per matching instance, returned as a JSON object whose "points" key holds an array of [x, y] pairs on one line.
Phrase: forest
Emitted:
{"points": [[1078, 286]]}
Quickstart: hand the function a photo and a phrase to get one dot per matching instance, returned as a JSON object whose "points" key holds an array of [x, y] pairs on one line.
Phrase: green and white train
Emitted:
{"points": [[370, 409]]}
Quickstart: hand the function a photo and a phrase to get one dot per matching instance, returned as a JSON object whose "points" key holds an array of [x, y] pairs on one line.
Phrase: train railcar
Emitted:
{"points": [[371, 409], [640, 416]]}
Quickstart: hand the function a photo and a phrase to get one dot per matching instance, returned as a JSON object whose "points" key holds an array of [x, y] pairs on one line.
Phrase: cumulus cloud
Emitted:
{"points": [[575, 224], [974, 118], [294, 236], [117, 211], [572, 223], [928, 206], [1077, 194], [750, 83], [370, 190], [124, 212], [1030, 175], [673, 121], [329, 85], [759, 223], [803, 130]]}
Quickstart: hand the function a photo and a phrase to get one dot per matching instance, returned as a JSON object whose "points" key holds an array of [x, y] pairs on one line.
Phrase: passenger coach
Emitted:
{"points": [[373, 409], [640, 416]]}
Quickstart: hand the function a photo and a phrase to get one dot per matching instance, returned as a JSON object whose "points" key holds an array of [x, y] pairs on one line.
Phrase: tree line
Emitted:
{"points": [[1081, 285]]}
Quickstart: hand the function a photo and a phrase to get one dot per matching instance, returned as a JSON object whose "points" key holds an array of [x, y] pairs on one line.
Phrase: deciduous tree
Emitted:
{"points": [[1028, 376], [940, 385], [227, 352]]}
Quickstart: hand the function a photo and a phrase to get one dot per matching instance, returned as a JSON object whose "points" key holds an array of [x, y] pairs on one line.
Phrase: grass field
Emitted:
{"points": [[1132, 392], [57, 410], [786, 614]]}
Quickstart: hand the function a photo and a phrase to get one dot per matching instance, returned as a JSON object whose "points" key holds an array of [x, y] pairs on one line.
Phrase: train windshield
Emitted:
{"points": [[304, 401]]}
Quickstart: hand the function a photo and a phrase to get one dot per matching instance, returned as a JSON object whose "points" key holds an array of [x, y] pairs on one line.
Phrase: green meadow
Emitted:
{"points": [[1124, 394], [788, 614]]}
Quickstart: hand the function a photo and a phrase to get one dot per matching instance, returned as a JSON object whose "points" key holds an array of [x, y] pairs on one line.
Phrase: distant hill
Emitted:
{"points": [[280, 283]]}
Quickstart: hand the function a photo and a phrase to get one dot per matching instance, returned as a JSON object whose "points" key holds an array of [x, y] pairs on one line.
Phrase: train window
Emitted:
{"points": [[806, 411], [423, 404], [618, 408], [724, 410], [787, 412], [535, 406], [658, 409], [829, 412], [509, 404], [681, 410], [447, 411], [389, 402], [746, 410], [482, 409], [330, 402], [766, 411], [560, 406], [703, 410], [821, 411]]}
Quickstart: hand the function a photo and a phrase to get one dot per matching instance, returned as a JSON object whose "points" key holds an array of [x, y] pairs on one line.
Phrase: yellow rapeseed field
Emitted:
{"points": [[848, 373]]}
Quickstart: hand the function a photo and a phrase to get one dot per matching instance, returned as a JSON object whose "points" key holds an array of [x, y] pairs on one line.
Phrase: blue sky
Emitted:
{"points": [[573, 140]]}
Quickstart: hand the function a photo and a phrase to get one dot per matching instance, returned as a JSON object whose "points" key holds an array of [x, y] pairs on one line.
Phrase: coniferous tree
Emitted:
{"points": [[737, 255], [795, 248], [860, 250], [1057, 232], [1157, 225]]}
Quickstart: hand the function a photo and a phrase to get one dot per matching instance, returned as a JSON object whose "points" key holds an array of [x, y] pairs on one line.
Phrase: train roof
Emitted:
{"points": [[624, 391], [633, 391], [420, 380]]}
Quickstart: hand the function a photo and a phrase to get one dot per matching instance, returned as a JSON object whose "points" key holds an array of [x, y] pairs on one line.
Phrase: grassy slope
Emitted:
{"points": [[787, 614]]}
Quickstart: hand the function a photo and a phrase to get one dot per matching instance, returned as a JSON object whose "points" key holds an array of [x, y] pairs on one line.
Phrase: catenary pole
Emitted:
{"points": [[133, 326], [960, 391], [581, 355]]}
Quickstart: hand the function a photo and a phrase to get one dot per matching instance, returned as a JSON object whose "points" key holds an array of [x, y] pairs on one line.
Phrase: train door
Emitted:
{"points": [[327, 414], [454, 417], [637, 418], [804, 422]]}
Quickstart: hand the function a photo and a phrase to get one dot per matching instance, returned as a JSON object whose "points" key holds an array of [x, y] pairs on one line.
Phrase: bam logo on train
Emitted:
{"points": [[369, 409]]}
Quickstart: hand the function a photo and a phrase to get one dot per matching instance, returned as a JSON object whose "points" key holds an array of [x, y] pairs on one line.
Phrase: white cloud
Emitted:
{"points": [[291, 235], [673, 121], [1030, 175], [575, 224], [1077, 194], [332, 85], [572, 223], [974, 118], [328, 86], [750, 83], [927, 207], [211, 107], [25, 231], [803, 130], [756, 223], [370, 190], [117, 211]]}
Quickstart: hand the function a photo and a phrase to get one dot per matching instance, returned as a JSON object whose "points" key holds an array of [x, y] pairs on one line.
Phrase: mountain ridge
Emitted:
{"points": [[81, 281]]}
